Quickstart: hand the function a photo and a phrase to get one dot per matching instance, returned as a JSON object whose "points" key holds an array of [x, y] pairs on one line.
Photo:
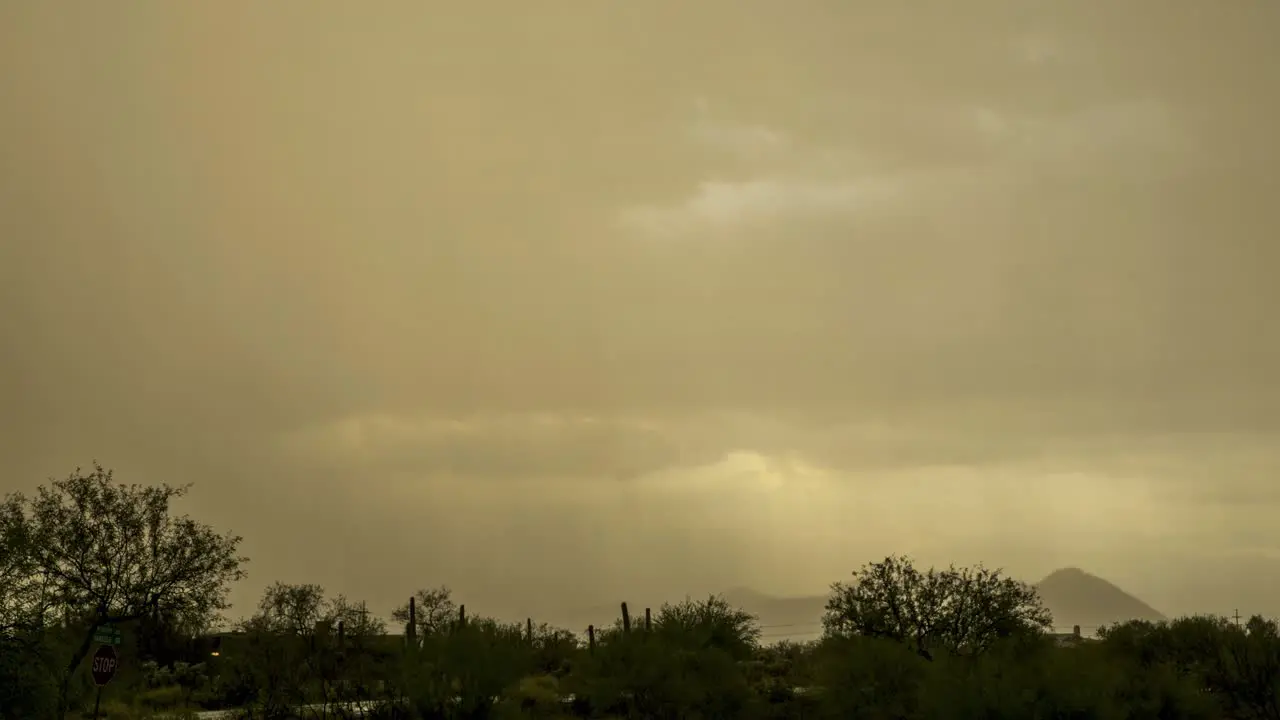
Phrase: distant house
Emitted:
{"points": [[1072, 638]]}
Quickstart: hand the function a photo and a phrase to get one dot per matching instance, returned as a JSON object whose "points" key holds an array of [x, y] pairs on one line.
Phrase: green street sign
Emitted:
{"points": [[107, 636]]}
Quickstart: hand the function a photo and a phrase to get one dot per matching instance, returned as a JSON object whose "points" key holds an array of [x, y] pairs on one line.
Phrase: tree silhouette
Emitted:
{"points": [[434, 611], [106, 553], [960, 610]]}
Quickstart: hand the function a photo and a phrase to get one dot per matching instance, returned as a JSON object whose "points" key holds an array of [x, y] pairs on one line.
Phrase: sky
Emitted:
{"points": [[581, 302]]}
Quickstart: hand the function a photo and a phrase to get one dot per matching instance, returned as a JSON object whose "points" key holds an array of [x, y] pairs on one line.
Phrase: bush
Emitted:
{"points": [[699, 660], [27, 689], [869, 677], [660, 676], [162, 698], [533, 697]]}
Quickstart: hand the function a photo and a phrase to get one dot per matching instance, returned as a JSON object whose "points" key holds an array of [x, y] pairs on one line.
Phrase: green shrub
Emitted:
{"points": [[162, 698], [866, 677], [116, 709], [27, 689], [536, 696]]}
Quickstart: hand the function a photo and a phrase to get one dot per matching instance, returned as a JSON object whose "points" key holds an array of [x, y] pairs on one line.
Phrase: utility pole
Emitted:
{"points": [[1237, 617]]}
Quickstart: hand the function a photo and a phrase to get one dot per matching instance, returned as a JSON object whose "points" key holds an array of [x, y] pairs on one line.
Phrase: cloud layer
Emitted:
{"points": [[991, 281]]}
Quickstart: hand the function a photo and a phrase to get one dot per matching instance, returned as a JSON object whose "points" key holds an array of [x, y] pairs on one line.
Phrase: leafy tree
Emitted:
{"points": [[1255, 668], [1189, 660], [279, 657], [434, 612], [872, 677], [20, 587], [301, 647], [710, 623], [960, 610], [359, 653], [25, 690], [781, 673], [164, 638], [1025, 677], [482, 659], [554, 650], [108, 553], [357, 623], [458, 673], [689, 666], [294, 610]]}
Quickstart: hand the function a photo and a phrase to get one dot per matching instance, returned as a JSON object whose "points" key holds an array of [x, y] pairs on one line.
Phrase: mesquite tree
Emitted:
{"points": [[959, 610], [20, 589], [434, 612], [104, 553]]}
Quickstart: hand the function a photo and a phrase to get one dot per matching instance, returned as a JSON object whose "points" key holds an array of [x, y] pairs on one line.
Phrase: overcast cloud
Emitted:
{"points": [[673, 296]]}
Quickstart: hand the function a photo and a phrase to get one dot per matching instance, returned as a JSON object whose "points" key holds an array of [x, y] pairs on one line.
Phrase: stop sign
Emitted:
{"points": [[105, 664]]}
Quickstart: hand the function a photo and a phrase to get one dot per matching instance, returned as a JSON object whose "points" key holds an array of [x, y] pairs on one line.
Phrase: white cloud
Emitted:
{"points": [[747, 140], [791, 182], [788, 181], [722, 204], [1100, 133], [521, 446], [1038, 48]]}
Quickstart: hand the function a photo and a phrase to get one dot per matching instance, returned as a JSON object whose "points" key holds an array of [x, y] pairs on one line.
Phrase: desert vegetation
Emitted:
{"points": [[87, 553]]}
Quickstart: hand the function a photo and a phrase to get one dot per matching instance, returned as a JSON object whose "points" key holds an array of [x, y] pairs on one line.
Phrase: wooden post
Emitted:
{"points": [[591, 639], [528, 626], [342, 634], [462, 616], [626, 620], [647, 620]]}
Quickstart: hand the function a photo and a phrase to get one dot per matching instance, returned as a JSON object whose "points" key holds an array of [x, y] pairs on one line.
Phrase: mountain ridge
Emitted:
{"points": [[1072, 595]]}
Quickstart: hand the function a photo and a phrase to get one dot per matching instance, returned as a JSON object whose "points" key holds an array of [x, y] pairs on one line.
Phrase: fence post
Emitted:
{"points": [[528, 627], [646, 620], [626, 620], [591, 639]]}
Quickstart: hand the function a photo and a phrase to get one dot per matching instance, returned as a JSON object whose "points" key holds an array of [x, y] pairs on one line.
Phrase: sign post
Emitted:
{"points": [[105, 664], [107, 635]]}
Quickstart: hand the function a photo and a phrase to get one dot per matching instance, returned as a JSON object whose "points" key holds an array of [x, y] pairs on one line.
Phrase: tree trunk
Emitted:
{"points": [[72, 666]]}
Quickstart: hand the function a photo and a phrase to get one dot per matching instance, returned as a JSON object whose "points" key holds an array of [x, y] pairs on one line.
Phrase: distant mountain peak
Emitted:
{"points": [[1068, 573], [1076, 597]]}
